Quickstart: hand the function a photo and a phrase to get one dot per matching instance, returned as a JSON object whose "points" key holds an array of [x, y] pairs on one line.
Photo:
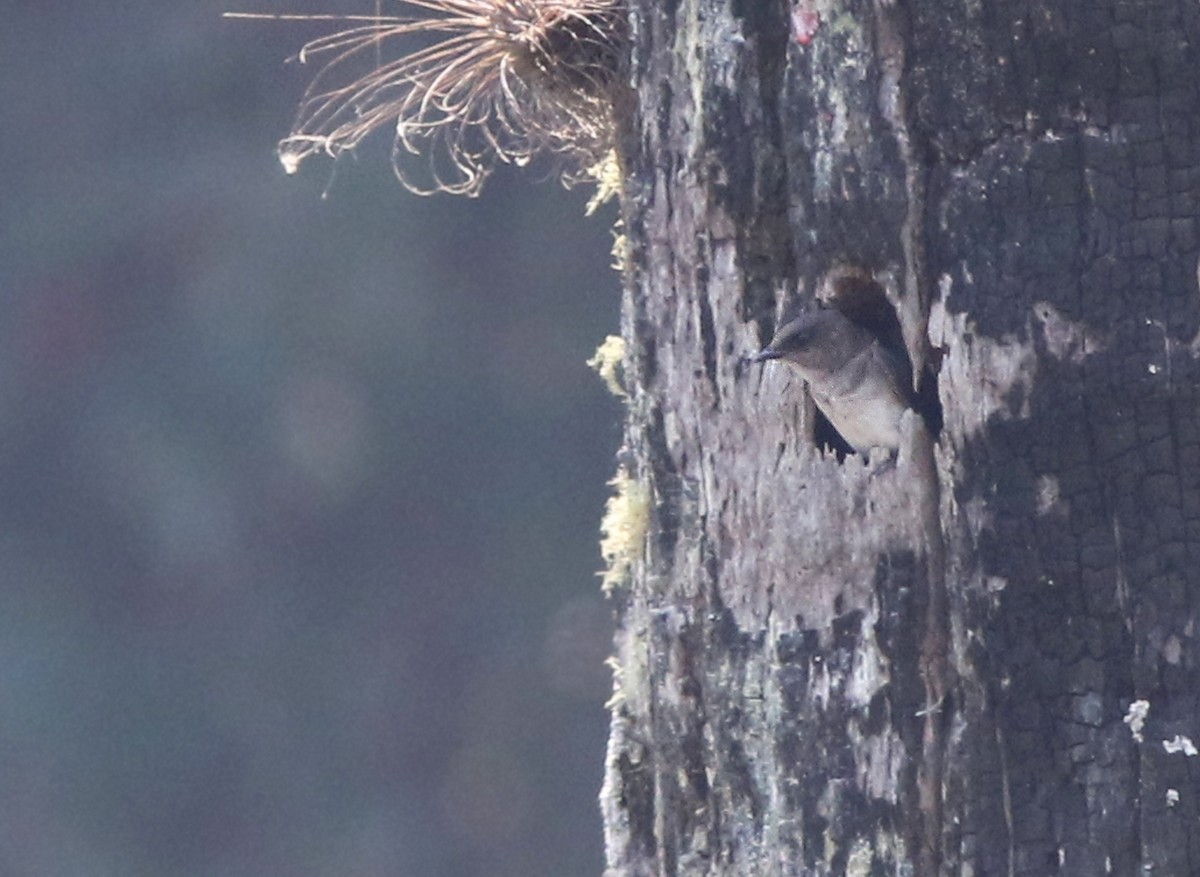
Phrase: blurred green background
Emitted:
{"points": [[298, 494]]}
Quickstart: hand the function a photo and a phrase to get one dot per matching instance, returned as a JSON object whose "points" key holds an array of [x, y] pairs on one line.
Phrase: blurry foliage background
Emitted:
{"points": [[298, 495]]}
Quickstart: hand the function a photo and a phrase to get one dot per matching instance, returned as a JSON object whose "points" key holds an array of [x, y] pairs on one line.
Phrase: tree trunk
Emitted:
{"points": [[980, 658]]}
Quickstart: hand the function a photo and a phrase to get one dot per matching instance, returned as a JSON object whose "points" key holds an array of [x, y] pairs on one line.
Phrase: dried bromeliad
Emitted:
{"points": [[467, 84]]}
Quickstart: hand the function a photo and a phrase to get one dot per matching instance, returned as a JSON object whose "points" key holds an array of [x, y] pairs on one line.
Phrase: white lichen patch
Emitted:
{"points": [[613, 663], [870, 670], [1172, 650], [858, 863], [1049, 498], [623, 528], [1181, 744], [880, 760], [1135, 718], [1067, 339], [609, 357], [979, 374]]}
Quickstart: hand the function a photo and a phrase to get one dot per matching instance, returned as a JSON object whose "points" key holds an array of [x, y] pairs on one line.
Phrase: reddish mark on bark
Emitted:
{"points": [[805, 21]]}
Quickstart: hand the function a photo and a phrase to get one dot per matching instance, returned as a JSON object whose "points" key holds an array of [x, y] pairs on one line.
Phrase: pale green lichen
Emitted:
{"points": [[608, 359], [606, 173], [621, 251], [623, 528]]}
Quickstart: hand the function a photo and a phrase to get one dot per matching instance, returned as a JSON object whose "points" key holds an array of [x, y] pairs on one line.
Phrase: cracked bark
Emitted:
{"points": [[932, 667]]}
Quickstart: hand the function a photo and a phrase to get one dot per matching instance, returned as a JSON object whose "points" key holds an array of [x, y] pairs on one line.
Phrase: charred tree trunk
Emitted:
{"points": [[981, 658]]}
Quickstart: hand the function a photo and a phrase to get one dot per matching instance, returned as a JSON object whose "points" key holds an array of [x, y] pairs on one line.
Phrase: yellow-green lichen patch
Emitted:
{"points": [[607, 360], [623, 528]]}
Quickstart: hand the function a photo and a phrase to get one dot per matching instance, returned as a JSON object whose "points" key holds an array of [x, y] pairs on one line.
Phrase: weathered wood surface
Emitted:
{"points": [[921, 668]]}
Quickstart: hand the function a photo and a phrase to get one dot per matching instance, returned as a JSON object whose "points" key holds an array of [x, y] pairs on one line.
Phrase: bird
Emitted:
{"points": [[859, 383]]}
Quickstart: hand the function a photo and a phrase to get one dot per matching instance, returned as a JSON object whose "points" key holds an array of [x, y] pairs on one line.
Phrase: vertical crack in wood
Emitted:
{"points": [[914, 318], [934, 660], [1006, 792]]}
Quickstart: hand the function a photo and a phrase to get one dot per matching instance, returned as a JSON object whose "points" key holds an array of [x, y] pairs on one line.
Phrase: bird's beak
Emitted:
{"points": [[765, 354]]}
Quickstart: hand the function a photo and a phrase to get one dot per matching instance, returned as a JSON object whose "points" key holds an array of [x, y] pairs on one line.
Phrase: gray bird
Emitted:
{"points": [[860, 384]]}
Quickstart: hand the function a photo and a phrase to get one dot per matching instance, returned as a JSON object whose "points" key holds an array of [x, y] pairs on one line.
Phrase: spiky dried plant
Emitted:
{"points": [[489, 81]]}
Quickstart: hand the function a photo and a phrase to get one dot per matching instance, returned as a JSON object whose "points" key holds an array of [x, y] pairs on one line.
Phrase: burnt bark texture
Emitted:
{"points": [[979, 658]]}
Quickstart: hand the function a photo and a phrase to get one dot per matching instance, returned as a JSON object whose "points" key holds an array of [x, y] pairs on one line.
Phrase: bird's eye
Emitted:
{"points": [[800, 341]]}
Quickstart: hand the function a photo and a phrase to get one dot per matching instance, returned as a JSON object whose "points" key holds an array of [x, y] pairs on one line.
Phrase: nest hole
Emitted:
{"points": [[863, 300]]}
